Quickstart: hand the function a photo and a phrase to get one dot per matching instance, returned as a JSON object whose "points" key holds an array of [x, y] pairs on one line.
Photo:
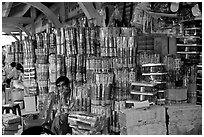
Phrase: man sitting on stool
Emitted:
{"points": [[62, 103]]}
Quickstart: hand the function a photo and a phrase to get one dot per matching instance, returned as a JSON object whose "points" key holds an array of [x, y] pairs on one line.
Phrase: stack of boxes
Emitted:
{"points": [[150, 121], [83, 123], [185, 119], [29, 64], [10, 124]]}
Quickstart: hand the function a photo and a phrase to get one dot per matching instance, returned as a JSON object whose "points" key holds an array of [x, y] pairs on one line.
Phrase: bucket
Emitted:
{"points": [[17, 94]]}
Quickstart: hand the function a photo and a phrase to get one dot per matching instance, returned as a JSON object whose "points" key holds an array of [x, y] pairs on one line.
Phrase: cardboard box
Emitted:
{"points": [[179, 94], [30, 104]]}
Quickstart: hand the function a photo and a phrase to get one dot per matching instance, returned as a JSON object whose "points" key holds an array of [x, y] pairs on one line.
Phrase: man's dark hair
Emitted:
{"points": [[13, 64], [63, 78], [19, 67]]}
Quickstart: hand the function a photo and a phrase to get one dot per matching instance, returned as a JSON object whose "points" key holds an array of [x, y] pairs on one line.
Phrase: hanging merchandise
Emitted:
{"points": [[42, 70], [70, 38], [146, 57], [60, 66], [199, 84], [18, 52], [52, 68], [83, 97], [58, 41], [29, 80], [102, 13], [68, 68], [51, 39], [115, 19], [62, 52], [137, 18], [41, 56], [81, 41], [40, 40], [29, 52]]}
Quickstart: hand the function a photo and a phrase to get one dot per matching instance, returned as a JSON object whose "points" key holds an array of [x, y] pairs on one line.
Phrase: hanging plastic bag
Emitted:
{"points": [[137, 18], [102, 14], [116, 19]]}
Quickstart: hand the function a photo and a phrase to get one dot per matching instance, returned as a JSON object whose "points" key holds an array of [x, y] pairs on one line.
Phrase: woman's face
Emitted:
{"points": [[62, 87]]}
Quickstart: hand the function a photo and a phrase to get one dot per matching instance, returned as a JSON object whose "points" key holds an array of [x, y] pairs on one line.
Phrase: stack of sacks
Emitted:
{"points": [[184, 119], [11, 124], [143, 121], [84, 123]]}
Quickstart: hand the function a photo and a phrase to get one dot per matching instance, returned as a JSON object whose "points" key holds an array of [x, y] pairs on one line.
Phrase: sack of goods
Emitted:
{"points": [[10, 124], [184, 119], [84, 123]]}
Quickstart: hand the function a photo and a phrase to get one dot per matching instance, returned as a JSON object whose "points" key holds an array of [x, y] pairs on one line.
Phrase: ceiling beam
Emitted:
{"points": [[24, 9], [9, 33], [50, 15], [90, 11], [6, 9], [18, 26], [9, 28], [20, 20]]}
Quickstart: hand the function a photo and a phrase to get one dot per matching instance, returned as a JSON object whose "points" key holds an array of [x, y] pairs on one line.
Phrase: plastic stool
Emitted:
{"points": [[12, 107]]}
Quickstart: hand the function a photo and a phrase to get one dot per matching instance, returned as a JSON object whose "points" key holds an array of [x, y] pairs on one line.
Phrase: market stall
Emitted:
{"points": [[133, 68]]}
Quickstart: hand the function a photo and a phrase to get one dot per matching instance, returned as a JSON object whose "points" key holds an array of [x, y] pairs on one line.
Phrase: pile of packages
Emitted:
{"points": [[84, 123], [150, 121], [184, 119], [10, 124]]}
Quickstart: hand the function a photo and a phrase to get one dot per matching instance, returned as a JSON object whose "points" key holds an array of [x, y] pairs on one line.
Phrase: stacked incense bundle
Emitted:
{"points": [[18, 47], [10, 54], [83, 123], [29, 65], [82, 93], [29, 52], [10, 124]]}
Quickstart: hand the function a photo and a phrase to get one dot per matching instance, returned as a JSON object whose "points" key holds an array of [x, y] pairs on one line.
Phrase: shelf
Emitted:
{"points": [[163, 99], [188, 37], [162, 14], [186, 52], [142, 84], [151, 65], [197, 84], [161, 91], [199, 78], [142, 93], [193, 28], [200, 66], [189, 45], [147, 74], [196, 18], [159, 82]]}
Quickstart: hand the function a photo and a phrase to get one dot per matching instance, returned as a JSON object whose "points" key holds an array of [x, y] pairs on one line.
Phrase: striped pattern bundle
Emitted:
{"points": [[10, 124], [83, 123]]}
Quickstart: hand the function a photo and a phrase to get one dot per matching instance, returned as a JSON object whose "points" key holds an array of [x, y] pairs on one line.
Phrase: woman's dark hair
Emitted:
{"points": [[13, 64], [63, 78], [19, 67], [37, 130]]}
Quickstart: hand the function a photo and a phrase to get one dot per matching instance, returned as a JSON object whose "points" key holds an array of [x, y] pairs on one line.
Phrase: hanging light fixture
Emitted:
{"points": [[195, 10], [174, 6]]}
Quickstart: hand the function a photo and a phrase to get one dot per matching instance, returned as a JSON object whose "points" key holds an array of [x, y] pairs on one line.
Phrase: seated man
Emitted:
{"points": [[61, 104]]}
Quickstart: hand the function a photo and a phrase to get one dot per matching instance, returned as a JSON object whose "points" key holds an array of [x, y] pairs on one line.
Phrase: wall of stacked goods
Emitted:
{"points": [[102, 64], [111, 69]]}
